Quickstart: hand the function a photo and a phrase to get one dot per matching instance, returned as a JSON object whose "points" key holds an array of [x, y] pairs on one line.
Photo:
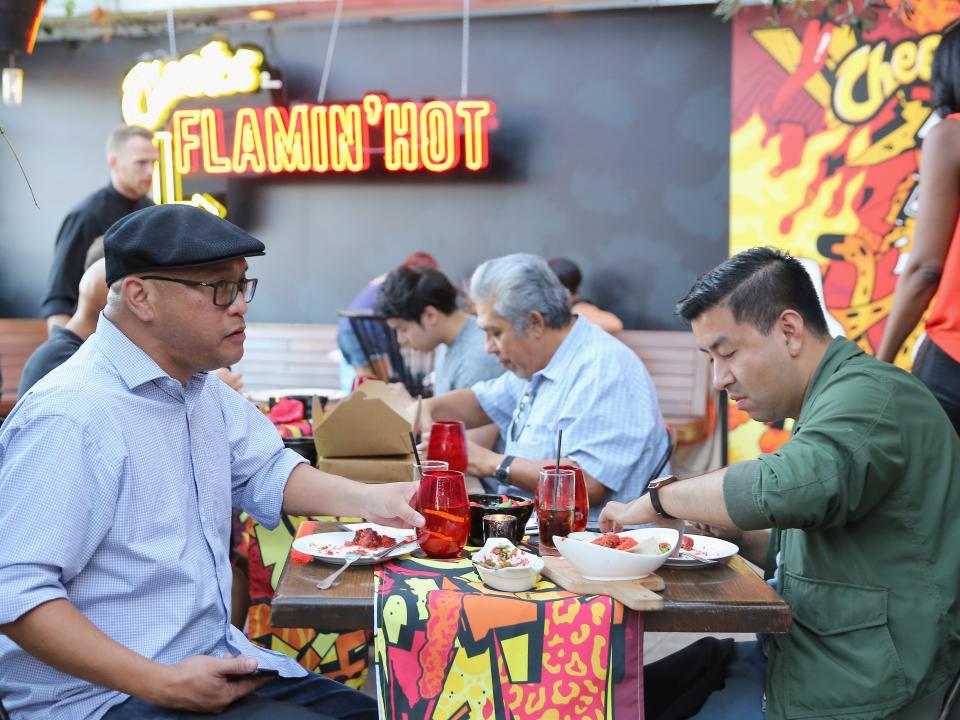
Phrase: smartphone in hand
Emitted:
{"points": [[258, 673]]}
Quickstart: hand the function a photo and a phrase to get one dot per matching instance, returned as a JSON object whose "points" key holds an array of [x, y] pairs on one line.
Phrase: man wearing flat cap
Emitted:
{"points": [[117, 474]]}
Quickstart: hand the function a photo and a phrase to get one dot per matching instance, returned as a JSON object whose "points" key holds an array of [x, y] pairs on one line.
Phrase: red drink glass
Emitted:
{"points": [[448, 442], [556, 492], [442, 500], [427, 466], [581, 506]]}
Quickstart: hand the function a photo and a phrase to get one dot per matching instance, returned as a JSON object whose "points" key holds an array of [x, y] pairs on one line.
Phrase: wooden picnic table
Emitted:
{"points": [[721, 598]]}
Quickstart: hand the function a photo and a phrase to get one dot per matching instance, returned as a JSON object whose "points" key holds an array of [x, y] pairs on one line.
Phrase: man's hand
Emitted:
{"points": [[200, 683], [392, 504], [233, 378], [616, 514], [481, 462]]}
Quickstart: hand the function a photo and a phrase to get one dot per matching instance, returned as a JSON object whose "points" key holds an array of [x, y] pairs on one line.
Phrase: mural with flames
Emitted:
{"points": [[824, 148]]}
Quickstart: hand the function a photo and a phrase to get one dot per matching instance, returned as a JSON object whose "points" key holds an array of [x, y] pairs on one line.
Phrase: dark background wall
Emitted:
{"points": [[612, 150]]}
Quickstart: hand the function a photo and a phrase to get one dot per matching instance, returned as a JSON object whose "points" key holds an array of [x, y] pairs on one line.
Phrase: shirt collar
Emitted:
{"points": [[134, 366], [566, 352], [838, 352]]}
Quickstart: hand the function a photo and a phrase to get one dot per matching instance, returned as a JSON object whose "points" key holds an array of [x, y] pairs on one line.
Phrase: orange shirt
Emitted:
{"points": [[943, 325]]}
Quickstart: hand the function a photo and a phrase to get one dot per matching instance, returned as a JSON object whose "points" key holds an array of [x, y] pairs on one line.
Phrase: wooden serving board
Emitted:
{"points": [[635, 594]]}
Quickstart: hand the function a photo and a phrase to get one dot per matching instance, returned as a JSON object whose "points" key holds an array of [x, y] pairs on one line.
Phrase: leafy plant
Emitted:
{"points": [[859, 15]]}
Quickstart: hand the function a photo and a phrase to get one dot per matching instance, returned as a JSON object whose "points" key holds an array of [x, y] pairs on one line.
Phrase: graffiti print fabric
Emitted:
{"points": [[449, 648]]}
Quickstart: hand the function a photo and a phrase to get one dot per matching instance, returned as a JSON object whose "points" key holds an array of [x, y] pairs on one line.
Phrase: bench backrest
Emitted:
{"points": [[18, 339], [680, 372], [288, 355], [285, 355]]}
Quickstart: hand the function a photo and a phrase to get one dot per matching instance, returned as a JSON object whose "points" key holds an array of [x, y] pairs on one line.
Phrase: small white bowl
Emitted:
{"points": [[601, 563], [509, 579]]}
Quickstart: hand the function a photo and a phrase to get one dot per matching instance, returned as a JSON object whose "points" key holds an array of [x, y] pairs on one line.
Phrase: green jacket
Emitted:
{"points": [[863, 500]]}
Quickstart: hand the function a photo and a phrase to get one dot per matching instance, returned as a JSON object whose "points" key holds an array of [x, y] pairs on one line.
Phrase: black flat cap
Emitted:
{"points": [[163, 237]]}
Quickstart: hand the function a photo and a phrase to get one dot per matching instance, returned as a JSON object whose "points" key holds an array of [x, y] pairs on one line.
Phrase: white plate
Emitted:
{"points": [[268, 395], [708, 548], [331, 546]]}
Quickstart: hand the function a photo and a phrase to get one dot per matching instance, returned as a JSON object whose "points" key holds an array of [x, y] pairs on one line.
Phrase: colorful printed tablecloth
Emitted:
{"points": [[447, 647], [339, 656]]}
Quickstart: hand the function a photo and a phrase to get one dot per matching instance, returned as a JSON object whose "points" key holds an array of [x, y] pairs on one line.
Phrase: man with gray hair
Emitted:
{"points": [[565, 373], [130, 157]]}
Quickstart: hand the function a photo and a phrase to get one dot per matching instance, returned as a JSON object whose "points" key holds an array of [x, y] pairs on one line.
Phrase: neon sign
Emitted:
{"points": [[437, 136], [151, 89]]}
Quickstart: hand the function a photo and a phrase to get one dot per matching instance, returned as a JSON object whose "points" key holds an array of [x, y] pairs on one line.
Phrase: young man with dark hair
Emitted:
{"points": [[421, 305], [858, 501]]}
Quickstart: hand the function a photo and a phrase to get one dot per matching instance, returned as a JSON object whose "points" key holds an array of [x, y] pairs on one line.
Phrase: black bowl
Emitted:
{"points": [[307, 401], [481, 505], [303, 446]]}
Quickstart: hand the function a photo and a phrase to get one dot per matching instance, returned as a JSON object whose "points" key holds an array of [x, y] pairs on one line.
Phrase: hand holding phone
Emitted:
{"points": [[258, 673]]}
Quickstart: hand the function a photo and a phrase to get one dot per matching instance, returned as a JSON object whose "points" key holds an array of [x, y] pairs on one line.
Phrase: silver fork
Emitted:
{"points": [[691, 556], [350, 558]]}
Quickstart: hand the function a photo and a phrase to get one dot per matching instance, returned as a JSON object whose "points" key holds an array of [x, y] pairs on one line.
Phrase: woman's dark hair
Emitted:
{"points": [[406, 293], [945, 73], [757, 285], [567, 272]]}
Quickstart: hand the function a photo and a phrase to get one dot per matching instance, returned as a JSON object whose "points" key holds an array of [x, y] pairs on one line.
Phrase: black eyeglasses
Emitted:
{"points": [[224, 291]]}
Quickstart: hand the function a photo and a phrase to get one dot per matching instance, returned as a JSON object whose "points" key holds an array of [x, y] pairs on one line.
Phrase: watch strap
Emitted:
{"points": [[502, 473], [653, 489]]}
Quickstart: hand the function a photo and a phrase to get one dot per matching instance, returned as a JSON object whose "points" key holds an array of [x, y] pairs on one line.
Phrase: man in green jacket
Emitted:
{"points": [[854, 517]]}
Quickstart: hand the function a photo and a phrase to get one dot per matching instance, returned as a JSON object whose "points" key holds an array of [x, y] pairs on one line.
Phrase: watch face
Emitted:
{"points": [[660, 482]]}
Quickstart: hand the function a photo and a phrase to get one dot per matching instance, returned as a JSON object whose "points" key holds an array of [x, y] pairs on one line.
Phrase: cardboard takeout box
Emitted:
{"points": [[375, 469], [365, 436]]}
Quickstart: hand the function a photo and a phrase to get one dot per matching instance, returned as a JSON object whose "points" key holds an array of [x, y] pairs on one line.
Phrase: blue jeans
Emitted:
{"points": [[742, 695], [304, 698]]}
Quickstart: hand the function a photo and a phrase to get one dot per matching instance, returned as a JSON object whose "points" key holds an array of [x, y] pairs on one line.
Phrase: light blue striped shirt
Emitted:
{"points": [[598, 391], [116, 484]]}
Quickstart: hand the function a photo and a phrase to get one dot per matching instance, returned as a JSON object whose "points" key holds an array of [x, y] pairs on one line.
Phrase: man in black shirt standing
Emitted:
{"points": [[130, 156]]}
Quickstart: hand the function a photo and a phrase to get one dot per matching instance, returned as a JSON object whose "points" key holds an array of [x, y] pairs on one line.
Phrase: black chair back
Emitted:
{"points": [[386, 358], [667, 454]]}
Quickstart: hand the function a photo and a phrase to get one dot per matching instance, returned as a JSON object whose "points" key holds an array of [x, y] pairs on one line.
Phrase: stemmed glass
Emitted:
{"points": [[442, 500]]}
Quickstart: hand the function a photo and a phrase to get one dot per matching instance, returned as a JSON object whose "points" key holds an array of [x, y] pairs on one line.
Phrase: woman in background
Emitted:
{"points": [[933, 267], [570, 277]]}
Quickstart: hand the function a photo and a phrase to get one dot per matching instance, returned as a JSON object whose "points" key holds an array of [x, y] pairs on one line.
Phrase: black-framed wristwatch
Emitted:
{"points": [[653, 487], [502, 473]]}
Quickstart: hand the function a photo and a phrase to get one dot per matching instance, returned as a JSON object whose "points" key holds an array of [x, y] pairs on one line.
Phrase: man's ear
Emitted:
{"points": [[430, 317], [791, 326], [536, 324], [139, 298]]}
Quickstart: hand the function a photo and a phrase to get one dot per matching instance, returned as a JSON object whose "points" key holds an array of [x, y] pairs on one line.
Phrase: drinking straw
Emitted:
{"points": [[559, 440], [413, 443]]}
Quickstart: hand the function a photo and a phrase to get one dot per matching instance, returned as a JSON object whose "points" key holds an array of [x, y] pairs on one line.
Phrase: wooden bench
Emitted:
{"points": [[18, 339], [681, 375], [279, 355], [287, 355]]}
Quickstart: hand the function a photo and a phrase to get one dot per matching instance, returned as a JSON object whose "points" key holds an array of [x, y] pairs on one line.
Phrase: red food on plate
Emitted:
{"points": [[370, 539], [615, 542], [687, 543]]}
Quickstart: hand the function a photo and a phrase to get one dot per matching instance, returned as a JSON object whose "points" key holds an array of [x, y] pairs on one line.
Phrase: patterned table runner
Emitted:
{"points": [[449, 647]]}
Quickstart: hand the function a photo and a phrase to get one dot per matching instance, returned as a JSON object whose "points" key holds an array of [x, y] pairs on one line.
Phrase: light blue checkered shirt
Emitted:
{"points": [[599, 392], [116, 484]]}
